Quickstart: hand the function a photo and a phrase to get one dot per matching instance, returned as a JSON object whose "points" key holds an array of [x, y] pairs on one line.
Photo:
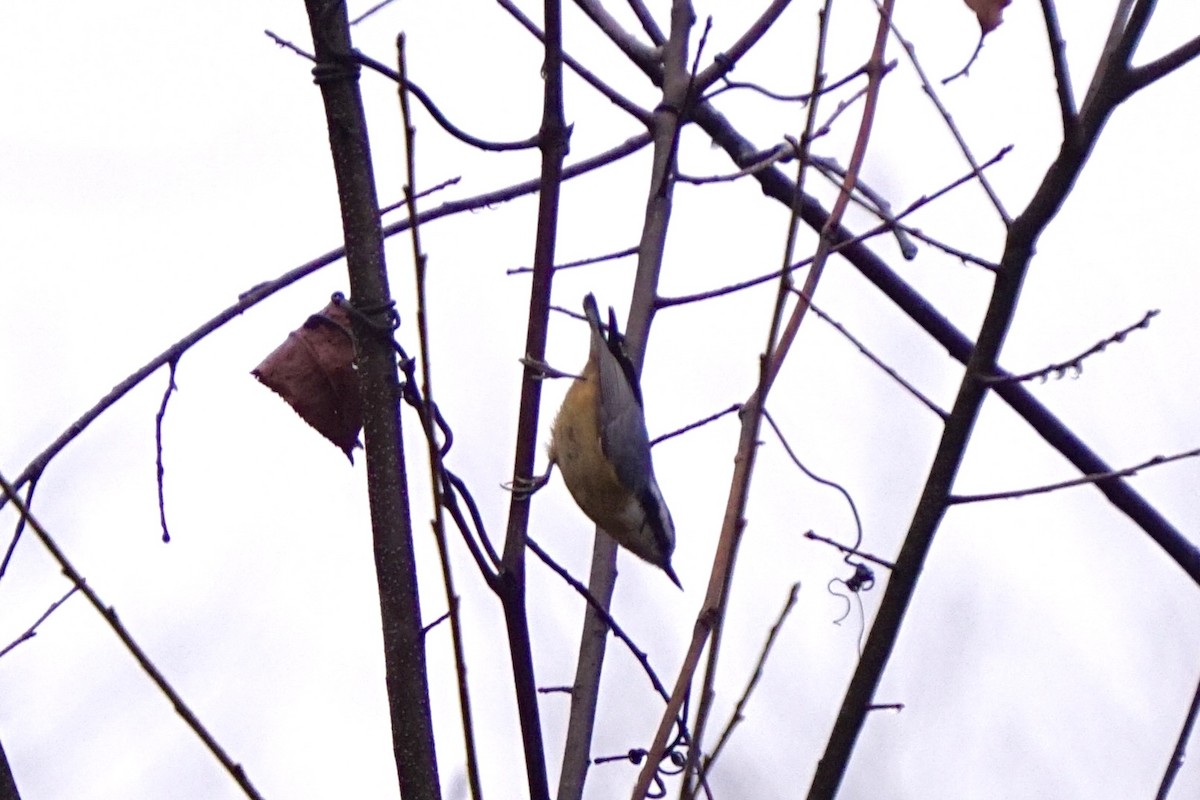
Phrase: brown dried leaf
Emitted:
{"points": [[989, 12], [313, 370]]}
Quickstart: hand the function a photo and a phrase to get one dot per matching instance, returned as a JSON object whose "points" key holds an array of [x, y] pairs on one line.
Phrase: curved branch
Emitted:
{"points": [[436, 113], [262, 291]]}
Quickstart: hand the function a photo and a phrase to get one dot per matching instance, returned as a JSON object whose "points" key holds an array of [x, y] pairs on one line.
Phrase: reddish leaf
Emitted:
{"points": [[989, 12], [313, 370]]}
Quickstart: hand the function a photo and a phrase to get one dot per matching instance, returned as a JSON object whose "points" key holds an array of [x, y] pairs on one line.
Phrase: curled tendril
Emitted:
{"points": [[673, 762]]}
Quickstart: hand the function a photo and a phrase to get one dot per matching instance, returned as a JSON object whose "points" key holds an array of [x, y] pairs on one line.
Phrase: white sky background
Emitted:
{"points": [[158, 159]]}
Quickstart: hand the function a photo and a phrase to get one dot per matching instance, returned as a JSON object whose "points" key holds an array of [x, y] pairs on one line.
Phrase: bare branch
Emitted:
{"points": [[1119, 492], [583, 262], [437, 468], [435, 112], [438, 116], [638, 653], [262, 291], [697, 424], [1021, 240], [647, 19], [858, 537], [554, 137], [158, 448], [962, 255], [1075, 364], [615, 97], [949, 120], [962, 499], [724, 62], [110, 616], [826, 88], [421, 194], [370, 11], [847, 243], [12, 545], [337, 76], [31, 631], [1062, 75], [1143, 76], [1176, 762], [851, 551], [740, 708], [891, 373], [875, 203]]}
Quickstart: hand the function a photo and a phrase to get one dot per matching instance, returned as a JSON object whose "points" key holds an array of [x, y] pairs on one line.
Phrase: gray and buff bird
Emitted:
{"points": [[599, 441]]}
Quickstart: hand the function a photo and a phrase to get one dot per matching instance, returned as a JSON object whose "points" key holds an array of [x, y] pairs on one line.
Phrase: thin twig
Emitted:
{"points": [[776, 155], [436, 465], [709, 626], [1085, 480], [891, 373], [420, 195], [638, 653], [961, 255], [377, 7], [474, 533], [450, 128], [1062, 74], [728, 85], [965, 70], [842, 107], [31, 631], [949, 120], [110, 616], [12, 545], [851, 551], [815, 477], [158, 447], [426, 628], [739, 710], [427, 101], [700, 423], [724, 62], [875, 203], [841, 245], [1176, 762], [1075, 365], [615, 97], [583, 262]]}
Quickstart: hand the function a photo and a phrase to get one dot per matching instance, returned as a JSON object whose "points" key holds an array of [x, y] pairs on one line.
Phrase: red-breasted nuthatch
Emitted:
{"points": [[599, 441]]}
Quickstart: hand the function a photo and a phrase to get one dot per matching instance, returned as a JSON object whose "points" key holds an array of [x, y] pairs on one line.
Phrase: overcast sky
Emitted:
{"points": [[156, 160]]}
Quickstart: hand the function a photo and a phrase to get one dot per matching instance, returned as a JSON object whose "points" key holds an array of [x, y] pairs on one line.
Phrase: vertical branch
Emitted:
{"points": [[875, 72], [1105, 93], [387, 483], [437, 472], [8, 784], [752, 419], [666, 125], [733, 522], [1176, 762], [511, 580]]}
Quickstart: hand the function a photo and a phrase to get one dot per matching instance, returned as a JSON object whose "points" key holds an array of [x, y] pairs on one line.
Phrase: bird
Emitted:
{"points": [[600, 445]]}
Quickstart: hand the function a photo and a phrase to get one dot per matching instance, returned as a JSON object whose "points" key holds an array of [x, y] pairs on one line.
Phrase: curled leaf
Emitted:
{"points": [[989, 12], [313, 370]]}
